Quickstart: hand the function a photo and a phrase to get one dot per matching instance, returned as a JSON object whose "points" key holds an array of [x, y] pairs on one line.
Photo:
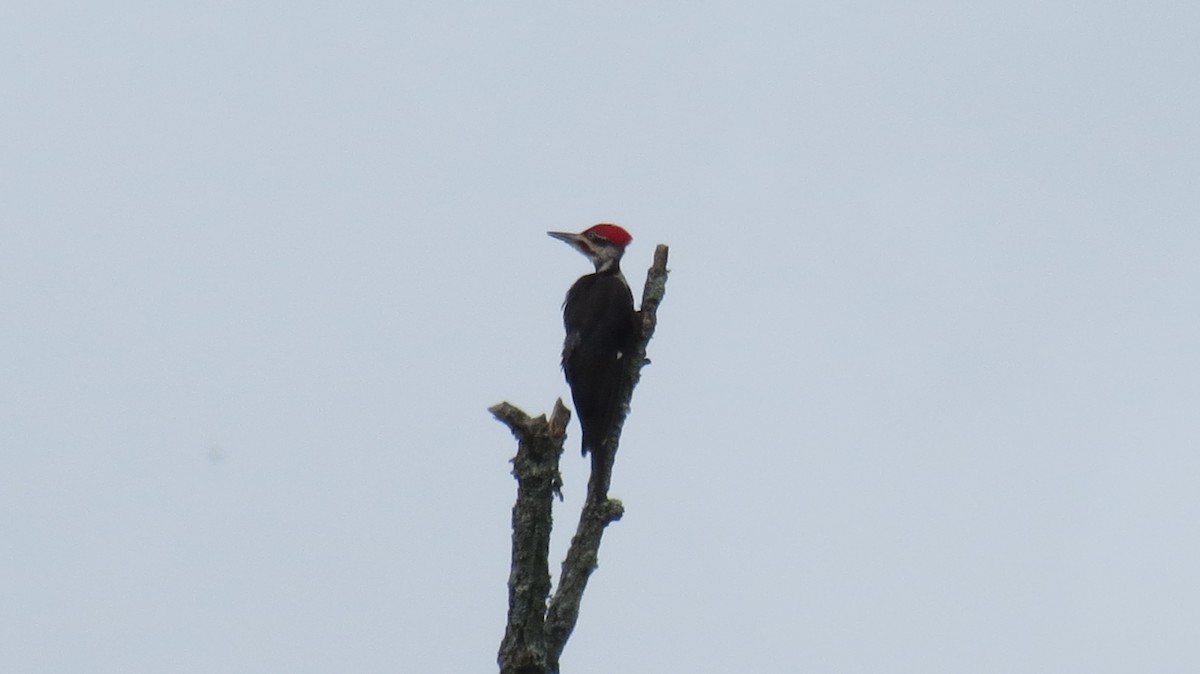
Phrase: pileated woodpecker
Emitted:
{"points": [[601, 331]]}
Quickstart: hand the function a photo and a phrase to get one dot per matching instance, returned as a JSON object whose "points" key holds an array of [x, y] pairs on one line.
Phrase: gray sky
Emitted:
{"points": [[924, 394]]}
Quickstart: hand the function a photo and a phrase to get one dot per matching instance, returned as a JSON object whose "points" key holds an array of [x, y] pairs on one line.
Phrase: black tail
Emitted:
{"points": [[597, 410]]}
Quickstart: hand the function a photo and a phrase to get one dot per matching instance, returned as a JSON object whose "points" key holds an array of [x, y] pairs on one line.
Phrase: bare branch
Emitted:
{"points": [[539, 447]]}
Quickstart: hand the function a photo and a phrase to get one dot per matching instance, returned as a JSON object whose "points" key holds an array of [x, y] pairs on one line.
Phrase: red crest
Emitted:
{"points": [[612, 233]]}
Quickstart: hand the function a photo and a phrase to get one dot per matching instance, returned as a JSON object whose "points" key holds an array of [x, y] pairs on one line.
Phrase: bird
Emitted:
{"points": [[601, 331]]}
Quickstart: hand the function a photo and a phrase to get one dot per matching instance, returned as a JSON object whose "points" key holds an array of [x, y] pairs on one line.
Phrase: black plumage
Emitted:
{"points": [[601, 331]]}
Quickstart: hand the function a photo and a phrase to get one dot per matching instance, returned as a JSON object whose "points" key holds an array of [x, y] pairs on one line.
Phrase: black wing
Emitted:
{"points": [[599, 319]]}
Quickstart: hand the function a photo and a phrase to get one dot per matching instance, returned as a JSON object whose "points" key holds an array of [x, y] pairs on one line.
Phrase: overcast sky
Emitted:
{"points": [[924, 393]]}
